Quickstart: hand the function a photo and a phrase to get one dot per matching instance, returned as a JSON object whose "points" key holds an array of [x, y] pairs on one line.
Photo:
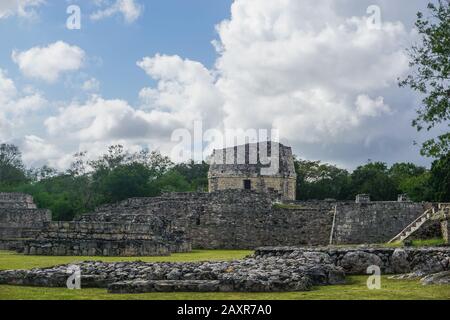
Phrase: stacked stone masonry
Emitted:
{"points": [[261, 167], [229, 219], [242, 219], [19, 219], [107, 239]]}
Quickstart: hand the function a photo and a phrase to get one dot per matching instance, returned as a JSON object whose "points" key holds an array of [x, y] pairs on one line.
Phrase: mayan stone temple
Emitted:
{"points": [[263, 167]]}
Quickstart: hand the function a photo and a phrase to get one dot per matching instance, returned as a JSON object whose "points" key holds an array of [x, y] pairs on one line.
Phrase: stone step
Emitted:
{"points": [[146, 286]]}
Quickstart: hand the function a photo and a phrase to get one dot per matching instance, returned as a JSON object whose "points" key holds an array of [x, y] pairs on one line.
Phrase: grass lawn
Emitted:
{"points": [[355, 289], [13, 261]]}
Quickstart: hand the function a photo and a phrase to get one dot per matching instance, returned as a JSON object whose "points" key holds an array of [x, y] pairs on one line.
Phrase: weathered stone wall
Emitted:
{"points": [[107, 239], [232, 219], [19, 219], [374, 222], [445, 225], [285, 186], [243, 219], [357, 260]]}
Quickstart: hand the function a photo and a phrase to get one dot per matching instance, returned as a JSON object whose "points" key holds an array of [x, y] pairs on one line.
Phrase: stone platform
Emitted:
{"points": [[107, 239], [19, 220], [268, 270]]}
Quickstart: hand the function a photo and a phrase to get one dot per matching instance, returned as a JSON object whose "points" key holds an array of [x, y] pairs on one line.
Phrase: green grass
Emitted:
{"points": [[13, 261], [428, 243], [355, 289], [416, 243]]}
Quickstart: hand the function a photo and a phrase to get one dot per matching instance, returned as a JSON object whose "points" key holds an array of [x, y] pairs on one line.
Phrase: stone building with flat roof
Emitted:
{"points": [[262, 167]]}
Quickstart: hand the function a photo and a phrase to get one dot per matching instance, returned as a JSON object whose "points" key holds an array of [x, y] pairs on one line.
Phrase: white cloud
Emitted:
{"points": [[366, 106], [36, 150], [21, 8], [184, 93], [48, 63], [130, 9], [91, 85], [314, 70], [279, 61], [16, 106]]}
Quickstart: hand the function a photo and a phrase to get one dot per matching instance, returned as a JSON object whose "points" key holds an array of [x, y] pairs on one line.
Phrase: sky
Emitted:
{"points": [[322, 73]]}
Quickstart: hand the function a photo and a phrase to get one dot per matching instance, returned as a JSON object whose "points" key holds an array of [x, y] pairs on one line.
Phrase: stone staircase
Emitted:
{"points": [[442, 213], [414, 226]]}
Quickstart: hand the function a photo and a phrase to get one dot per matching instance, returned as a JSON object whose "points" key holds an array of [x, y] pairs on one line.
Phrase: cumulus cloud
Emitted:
{"points": [[283, 63], [21, 8], [185, 91], [131, 10], [91, 85], [315, 70], [48, 63], [15, 106], [36, 150]]}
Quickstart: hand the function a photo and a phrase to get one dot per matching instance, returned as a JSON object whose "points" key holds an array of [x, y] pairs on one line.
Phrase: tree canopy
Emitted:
{"points": [[120, 174], [430, 75]]}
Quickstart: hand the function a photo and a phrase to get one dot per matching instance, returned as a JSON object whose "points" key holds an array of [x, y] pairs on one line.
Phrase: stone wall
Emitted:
{"points": [[240, 219], [285, 186], [19, 219], [377, 222], [107, 239], [445, 225], [356, 260]]}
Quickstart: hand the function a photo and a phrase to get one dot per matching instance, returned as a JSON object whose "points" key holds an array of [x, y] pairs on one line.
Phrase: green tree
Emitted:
{"points": [[440, 179], [412, 180], [172, 181], [126, 181], [196, 174], [12, 170], [373, 178], [319, 181], [430, 63]]}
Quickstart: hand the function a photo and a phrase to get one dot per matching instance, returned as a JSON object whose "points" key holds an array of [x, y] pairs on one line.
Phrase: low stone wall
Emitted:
{"points": [[107, 239], [248, 275], [268, 270], [19, 219], [357, 260]]}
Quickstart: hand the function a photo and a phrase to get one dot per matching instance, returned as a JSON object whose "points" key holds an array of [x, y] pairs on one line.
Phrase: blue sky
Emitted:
{"points": [[324, 73], [178, 27]]}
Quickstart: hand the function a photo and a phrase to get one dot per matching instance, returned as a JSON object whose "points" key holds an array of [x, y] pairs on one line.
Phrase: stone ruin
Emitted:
{"points": [[153, 238], [20, 219], [267, 270], [228, 219], [263, 167], [29, 230]]}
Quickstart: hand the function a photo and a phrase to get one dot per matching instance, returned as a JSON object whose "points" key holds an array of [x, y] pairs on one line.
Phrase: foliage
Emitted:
{"points": [[373, 178], [440, 179], [430, 63], [320, 181], [12, 170], [120, 174]]}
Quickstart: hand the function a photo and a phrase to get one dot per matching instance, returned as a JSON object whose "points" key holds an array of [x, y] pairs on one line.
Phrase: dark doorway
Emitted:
{"points": [[247, 185]]}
